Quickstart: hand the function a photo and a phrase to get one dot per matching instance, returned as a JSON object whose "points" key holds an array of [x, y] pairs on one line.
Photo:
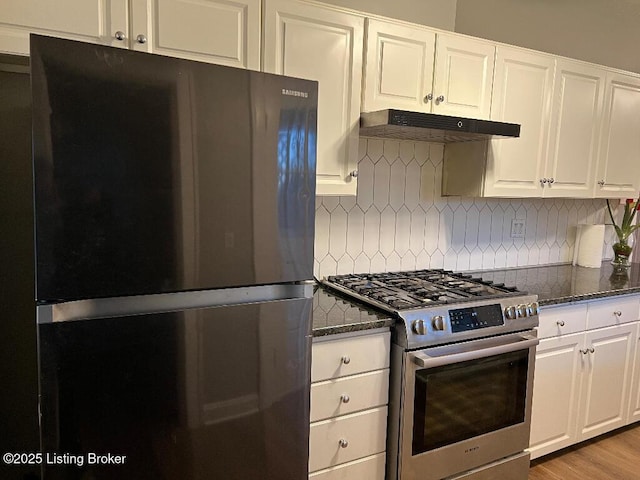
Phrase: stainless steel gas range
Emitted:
{"points": [[461, 373]]}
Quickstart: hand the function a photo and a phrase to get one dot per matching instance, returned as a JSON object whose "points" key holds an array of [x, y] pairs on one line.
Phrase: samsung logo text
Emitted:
{"points": [[294, 93]]}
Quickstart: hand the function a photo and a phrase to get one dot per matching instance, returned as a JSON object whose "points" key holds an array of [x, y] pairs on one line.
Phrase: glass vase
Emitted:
{"points": [[621, 254]]}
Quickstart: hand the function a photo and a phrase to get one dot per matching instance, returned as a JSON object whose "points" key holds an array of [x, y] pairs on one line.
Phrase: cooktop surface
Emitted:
{"points": [[420, 288]]}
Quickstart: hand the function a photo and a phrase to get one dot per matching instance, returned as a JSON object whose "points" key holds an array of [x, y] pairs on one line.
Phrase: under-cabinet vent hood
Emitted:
{"points": [[430, 127]]}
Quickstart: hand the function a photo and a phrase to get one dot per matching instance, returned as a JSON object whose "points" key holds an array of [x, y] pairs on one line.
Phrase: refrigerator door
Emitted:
{"points": [[156, 174], [206, 393]]}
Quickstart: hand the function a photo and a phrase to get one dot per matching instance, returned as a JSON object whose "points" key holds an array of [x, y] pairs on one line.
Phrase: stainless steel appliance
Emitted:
{"points": [[174, 228], [462, 373], [431, 127]]}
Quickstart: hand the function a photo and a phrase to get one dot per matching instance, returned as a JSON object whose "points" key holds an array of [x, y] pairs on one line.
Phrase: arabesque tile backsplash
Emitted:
{"points": [[399, 220]]}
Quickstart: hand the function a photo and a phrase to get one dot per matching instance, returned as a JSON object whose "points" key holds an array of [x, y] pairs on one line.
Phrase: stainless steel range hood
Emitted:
{"points": [[430, 127]]}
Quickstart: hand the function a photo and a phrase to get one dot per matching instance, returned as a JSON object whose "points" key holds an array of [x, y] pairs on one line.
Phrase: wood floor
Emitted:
{"points": [[615, 456]]}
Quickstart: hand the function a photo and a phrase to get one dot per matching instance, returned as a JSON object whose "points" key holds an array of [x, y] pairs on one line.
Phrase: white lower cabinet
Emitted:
{"points": [[585, 383], [369, 468], [349, 396], [555, 394], [634, 404], [607, 367]]}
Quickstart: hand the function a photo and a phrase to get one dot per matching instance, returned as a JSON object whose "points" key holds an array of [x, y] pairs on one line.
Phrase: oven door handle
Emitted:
{"points": [[447, 355]]}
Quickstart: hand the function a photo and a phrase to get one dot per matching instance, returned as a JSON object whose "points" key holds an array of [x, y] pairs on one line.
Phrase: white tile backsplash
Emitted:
{"points": [[399, 221]]}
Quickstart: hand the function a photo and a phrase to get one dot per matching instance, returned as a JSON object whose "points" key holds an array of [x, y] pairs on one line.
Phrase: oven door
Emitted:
{"points": [[466, 405]]}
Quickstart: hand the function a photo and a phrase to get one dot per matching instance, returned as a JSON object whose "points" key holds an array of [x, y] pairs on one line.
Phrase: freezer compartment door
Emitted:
{"points": [[220, 392], [156, 174]]}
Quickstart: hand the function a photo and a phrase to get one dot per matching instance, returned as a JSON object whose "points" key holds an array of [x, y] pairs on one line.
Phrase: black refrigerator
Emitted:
{"points": [[160, 313]]}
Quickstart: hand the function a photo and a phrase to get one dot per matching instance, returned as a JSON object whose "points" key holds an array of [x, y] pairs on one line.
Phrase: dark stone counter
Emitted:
{"points": [[555, 284], [333, 314]]}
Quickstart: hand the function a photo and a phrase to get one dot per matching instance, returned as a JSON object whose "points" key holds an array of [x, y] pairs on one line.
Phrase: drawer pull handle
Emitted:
{"points": [[617, 313], [560, 323], [345, 398], [346, 360], [343, 443]]}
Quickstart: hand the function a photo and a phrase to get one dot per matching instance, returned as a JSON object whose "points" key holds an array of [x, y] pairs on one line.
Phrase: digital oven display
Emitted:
{"points": [[473, 318]]}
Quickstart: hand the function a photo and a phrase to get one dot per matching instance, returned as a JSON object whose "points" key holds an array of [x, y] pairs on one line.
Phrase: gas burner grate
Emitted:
{"points": [[404, 290]]}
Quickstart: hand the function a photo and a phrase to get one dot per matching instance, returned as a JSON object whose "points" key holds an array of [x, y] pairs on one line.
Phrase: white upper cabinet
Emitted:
{"points": [[398, 67], [618, 171], [523, 86], [324, 44], [575, 127], [411, 67], [463, 77], [559, 105], [95, 21], [215, 31]]}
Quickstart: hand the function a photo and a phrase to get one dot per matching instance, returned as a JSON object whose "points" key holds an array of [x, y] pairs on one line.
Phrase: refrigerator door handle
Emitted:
{"points": [[165, 302]]}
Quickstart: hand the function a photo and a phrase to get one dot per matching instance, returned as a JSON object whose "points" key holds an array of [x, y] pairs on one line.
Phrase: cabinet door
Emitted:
{"points": [[216, 31], [523, 86], [618, 172], [606, 383], [463, 76], [575, 121], [319, 43], [634, 404], [94, 21], [556, 387], [399, 67]]}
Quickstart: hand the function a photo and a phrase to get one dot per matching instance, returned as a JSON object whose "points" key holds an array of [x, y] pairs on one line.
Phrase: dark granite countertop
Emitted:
{"points": [[333, 314], [556, 284]]}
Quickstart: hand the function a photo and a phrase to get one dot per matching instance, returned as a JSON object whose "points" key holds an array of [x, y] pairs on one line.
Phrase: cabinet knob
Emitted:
{"points": [[141, 38], [560, 323], [346, 360], [551, 180], [428, 97], [119, 35], [343, 443], [353, 173], [543, 181], [591, 350], [601, 183], [617, 313], [584, 352], [345, 398], [439, 99]]}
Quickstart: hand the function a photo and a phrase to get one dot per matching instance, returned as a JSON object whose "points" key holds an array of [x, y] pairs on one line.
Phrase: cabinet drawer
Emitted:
{"points": [[349, 356], [562, 320], [363, 432], [369, 468], [363, 391], [613, 311]]}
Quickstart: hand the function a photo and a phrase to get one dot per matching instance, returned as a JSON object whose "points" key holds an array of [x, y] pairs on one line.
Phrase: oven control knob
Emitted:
{"points": [[533, 308], [522, 310], [437, 322], [510, 312], [419, 327]]}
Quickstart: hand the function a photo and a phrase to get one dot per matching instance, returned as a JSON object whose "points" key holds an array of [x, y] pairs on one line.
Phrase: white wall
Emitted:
{"points": [[606, 32], [435, 13]]}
